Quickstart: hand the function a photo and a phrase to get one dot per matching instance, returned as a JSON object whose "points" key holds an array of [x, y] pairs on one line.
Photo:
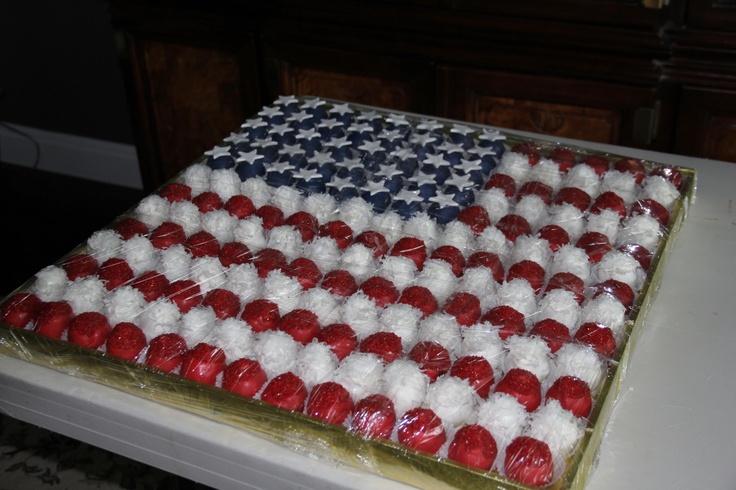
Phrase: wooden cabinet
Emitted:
{"points": [[613, 71]]}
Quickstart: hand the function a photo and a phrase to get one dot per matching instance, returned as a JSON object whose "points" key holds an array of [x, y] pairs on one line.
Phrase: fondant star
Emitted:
{"points": [[254, 123], [300, 117], [329, 123], [308, 134], [388, 171], [390, 136], [312, 103], [421, 179], [281, 129], [444, 200], [403, 154], [468, 165], [270, 112], [307, 174], [459, 181], [371, 147], [321, 158], [338, 142], [409, 196], [341, 109], [436, 161], [264, 143], [340, 183], [292, 150], [279, 167], [373, 188], [481, 152], [491, 135], [462, 129], [397, 119], [429, 125], [351, 163], [250, 157], [369, 116], [360, 128], [286, 100], [422, 139], [218, 151], [450, 147], [236, 138]]}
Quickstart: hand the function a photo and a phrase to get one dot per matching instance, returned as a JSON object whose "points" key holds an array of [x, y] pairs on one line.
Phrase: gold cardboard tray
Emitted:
{"points": [[335, 443]]}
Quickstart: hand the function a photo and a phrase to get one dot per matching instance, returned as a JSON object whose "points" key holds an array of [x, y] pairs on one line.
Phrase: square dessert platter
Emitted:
{"points": [[444, 304]]}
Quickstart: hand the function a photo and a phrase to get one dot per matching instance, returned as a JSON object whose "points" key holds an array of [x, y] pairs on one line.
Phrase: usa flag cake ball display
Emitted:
{"points": [[448, 290]]}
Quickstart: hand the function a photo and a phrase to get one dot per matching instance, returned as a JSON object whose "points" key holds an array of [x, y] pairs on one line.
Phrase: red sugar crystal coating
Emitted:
{"points": [[374, 417], [653, 209], [175, 192], [166, 352], [203, 363], [240, 206], [670, 173], [185, 294], [504, 182], [597, 336], [20, 309], [575, 197], [619, 290], [595, 244], [271, 216], [79, 266], [632, 166], [453, 256], [509, 319], [375, 241], [89, 329], [598, 163], [341, 339], [535, 188], [529, 461], [261, 315], [433, 359], [207, 201], [244, 377], [269, 260], [522, 385], [465, 307], [529, 270], [477, 371], [302, 325], [386, 345], [151, 284], [127, 228], [639, 252], [564, 157], [554, 333], [421, 429], [476, 217], [202, 244], [305, 271], [223, 302], [286, 391], [166, 235], [569, 282], [609, 200], [53, 318], [329, 402], [573, 395], [513, 226], [338, 231], [340, 282], [555, 235], [473, 446], [420, 298], [304, 223], [490, 260], [412, 248], [380, 290], [126, 341], [115, 272], [235, 253], [528, 149]]}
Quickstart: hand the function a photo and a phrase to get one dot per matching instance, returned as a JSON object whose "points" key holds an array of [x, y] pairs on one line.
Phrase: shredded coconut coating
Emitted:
{"points": [[621, 267], [495, 202], [324, 252], [220, 224], [124, 304], [104, 244], [85, 295], [315, 364], [283, 290], [186, 214], [257, 190], [360, 374], [423, 227], [459, 235], [399, 270], [287, 199], [583, 177], [405, 384], [559, 428], [250, 232], [208, 273], [661, 190], [322, 303], [361, 313], [159, 318], [140, 254], [607, 310], [276, 352], [402, 320], [437, 276], [547, 172], [175, 263], [606, 222], [504, 417], [235, 337], [225, 183], [569, 218], [453, 400], [50, 283], [641, 229], [519, 295], [197, 324], [515, 165], [153, 210], [243, 280], [479, 281], [287, 240], [390, 225], [198, 178], [581, 362], [531, 248], [493, 240], [530, 353], [483, 340], [442, 329], [622, 183], [573, 260], [559, 305], [321, 206], [358, 261], [533, 209], [357, 214]]}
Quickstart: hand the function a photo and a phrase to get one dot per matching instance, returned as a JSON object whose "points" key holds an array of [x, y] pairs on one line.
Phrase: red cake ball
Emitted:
{"points": [[528, 149], [380, 290], [639, 252], [329, 402], [564, 157], [269, 260], [305, 271], [617, 289], [465, 307], [127, 228], [421, 429], [522, 385], [535, 188], [304, 223], [453, 256], [166, 235], [203, 363], [412, 248], [632, 166], [513, 226], [476, 217], [373, 240], [528, 270], [386, 345], [510, 321], [207, 201], [151, 284], [79, 266], [240, 206], [89, 329], [420, 298], [261, 315], [595, 244], [340, 282], [20, 309], [338, 231], [653, 209], [126, 341], [477, 371], [433, 359], [569, 282], [175, 192], [114, 273], [235, 253], [609, 200], [598, 163], [490, 260], [286, 391], [555, 235], [223, 302], [575, 197], [573, 394], [529, 461], [554, 333], [202, 244], [166, 352], [504, 182], [341, 339], [185, 294], [669, 173], [597, 336], [374, 417], [271, 216], [473, 446], [53, 318], [244, 377], [302, 325]]}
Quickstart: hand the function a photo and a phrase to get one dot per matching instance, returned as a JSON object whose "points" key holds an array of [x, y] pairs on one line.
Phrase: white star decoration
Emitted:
{"points": [[329, 123], [421, 179], [271, 112], [281, 129], [286, 100], [218, 151], [254, 123], [403, 154], [350, 163], [422, 139], [436, 160], [429, 125], [250, 157], [374, 188], [397, 119], [338, 142], [340, 183], [279, 167], [443, 200], [341, 109], [299, 117], [468, 165], [360, 128], [371, 147], [459, 181], [312, 103], [307, 174], [388, 171], [321, 158], [308, 134], [236, 138], [462, 129], [481, 152], [292, 150], [491, 135], [409, 196], [450, 147]]}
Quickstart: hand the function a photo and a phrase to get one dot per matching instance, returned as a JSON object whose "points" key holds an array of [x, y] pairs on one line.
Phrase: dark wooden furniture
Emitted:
{"points": [[627, 72]]}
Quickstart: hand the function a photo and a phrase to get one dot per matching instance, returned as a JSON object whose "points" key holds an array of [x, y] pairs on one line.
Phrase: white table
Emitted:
{"points": [[673, 426]]}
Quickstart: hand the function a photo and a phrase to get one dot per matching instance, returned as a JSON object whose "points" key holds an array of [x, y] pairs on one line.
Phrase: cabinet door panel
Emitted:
{"points": [[707, 124]]}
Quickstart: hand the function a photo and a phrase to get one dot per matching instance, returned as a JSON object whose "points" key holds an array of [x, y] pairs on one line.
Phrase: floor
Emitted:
{"points": [[44, 216]]}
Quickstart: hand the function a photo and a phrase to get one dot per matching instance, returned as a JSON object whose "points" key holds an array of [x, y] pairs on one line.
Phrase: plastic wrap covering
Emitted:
{"points": [[441, 303]]}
